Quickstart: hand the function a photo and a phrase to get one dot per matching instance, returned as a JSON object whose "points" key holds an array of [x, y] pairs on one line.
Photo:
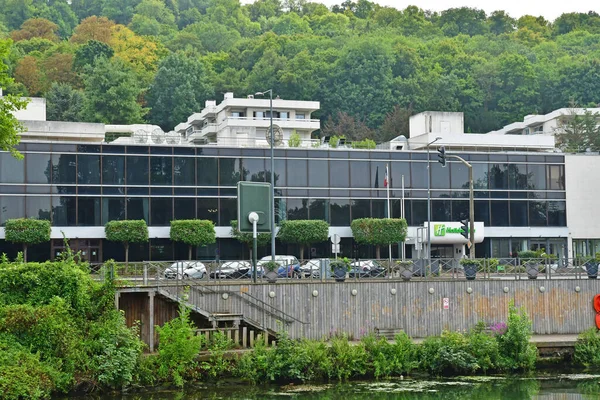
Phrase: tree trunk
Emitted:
{"points": [[190, 252], [24, 252], [126, 255], [378, 252], [301, 253]]}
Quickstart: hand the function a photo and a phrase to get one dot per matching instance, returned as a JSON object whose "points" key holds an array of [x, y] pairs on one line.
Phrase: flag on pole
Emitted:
{"points": [[385, 178]]}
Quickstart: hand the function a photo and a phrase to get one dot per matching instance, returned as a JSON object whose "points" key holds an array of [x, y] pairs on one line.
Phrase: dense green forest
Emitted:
{"points": [[157, 61]]}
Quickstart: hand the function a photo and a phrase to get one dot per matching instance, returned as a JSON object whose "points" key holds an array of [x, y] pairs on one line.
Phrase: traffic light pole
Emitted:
{"points": [[471, 205]]}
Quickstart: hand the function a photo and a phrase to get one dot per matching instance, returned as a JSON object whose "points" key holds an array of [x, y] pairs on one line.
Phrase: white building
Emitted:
{"points": [[246, 121], [546, 125]]}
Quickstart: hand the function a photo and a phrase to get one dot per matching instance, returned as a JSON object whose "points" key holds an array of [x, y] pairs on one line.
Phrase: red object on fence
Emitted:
{"points": [[597, 303], [598, 320]]}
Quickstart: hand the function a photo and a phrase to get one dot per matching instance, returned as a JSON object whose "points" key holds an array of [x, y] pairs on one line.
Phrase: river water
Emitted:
{"points": [[550, 387]]}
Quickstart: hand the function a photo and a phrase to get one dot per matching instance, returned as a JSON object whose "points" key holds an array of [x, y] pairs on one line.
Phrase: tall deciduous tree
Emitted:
{"points": [[193, 232], [36, 28], [127, 232], [579, 133], [10, 127], [180, 88], [88, 53], [27, 232], [111, 94], [93, 28], [303, 232], [379, 231], [63, 103]]}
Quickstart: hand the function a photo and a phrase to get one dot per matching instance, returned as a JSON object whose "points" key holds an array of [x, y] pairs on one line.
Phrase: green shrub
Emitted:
{"points": [[27, 231], [178, 348], [217, 365], [379, 231], [347, 360], [126, 232], [391, 359], [447, 355], [364, 144], [484, 347], [516, 352], [193, 232], [587, 348], [294, 140], [303, 232]]}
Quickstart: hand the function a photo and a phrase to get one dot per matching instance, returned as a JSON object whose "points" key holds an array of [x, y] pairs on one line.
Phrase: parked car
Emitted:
{"points": [[312, 268], [289, 266], [233, 270], [366, 269], [185, 270]]}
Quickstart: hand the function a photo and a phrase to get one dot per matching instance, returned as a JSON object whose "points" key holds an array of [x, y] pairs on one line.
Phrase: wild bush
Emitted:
{"points": [[587, 348], [390, 359], [347, 360], [217, 365], [447, 354], [516, 351]]}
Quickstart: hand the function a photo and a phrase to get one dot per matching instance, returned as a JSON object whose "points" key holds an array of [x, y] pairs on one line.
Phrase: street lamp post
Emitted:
{"points": [[429, 202], [270, 91]]}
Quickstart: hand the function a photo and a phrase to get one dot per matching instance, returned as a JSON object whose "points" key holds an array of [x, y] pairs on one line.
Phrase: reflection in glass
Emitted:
{"points": [[418, 175], [518, 213], [297, 208], [227, 211], [398, 169], [419, 212], [11, 207], [361, 209], [64, 211], [557, 215], [459, 176], [440, 176], [88, 169], [254, 169], [556, 177], [498, 176], [482, 212], [537, 213], [460, 210], [161, 170], [340, 212], [208, 170], [440, 210], [297, 173], [377, 174], [64, 167], [517, 176], [137, 170], [536, 176], [480, 176], [113, 170], [11, 169], [113, 209], [88, 211], [184, 171], [319, 209], [499, 210], [39, 168], [379, 209], [137, 208], [37, 207], [161, 211], [360, 174], [207, 209], [230, 170]]}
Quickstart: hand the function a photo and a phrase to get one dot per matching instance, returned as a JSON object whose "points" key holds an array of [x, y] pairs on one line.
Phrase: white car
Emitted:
{"points": [[313, 268], [233, 270], [289, 266], [185, 270]]}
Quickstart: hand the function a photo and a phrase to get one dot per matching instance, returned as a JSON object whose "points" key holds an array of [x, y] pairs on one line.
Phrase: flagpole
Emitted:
{"points": [[404, 217], [389, 213]]}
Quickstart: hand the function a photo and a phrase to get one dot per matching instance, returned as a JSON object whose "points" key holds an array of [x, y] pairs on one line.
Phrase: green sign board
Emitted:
{"points": [[254, 197], [443, 230]]}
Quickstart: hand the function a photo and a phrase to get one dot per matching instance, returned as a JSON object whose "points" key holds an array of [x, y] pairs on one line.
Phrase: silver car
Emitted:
{"points": [[185, 270]]}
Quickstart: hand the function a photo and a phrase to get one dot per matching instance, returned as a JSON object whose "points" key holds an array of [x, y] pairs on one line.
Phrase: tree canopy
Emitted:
{"points": [[370, 66]]}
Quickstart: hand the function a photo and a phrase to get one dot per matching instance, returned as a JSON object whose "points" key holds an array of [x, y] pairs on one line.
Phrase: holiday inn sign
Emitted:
{"points": [[442, 230], [449, 232]]}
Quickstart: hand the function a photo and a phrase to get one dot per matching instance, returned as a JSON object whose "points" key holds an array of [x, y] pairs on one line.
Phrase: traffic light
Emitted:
{"points": [[464, 228], [442, 156]]}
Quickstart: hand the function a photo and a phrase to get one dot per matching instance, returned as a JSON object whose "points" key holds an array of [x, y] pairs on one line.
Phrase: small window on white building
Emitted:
{"points": [[537, 130], [284, 115], [238, 114], [300, 116], [259, 114]]}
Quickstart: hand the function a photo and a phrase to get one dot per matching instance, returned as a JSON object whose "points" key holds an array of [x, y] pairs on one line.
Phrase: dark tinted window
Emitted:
{"points": [[536, 175], [518, 213], [419, 211], [482, 212], [113, 170], [161, 170], [297, 208], [137, 170], [184, 171], [208, 170], [440, 176], [88, 211], [64, 211], [11, 207], [497, 176], [398, 170], [227, 211], [440, 210], [254, 169], [113, 208], [360, 174], [317, 175], [480, 176], [185, 208], [161, 211], [499, 213], [64, 167], [339, 174], [460, 210], [297, 173], [361, 209], [379, 209], [517, 176], [137, 208], [418, 174], [208, 208], [556, 177], [537, 213], [340, 212], [319, 209], [88, 169], [37, 207], [557, 215]]}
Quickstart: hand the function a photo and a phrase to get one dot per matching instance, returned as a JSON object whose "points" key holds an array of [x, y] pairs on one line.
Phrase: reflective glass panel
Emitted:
{"points": [[184, 171], [208, 209], [480, 176], [11, 169], [185, 208], [440, 210], [556, 177], [254, 169], [113, 170], [38, 207], [340, 212], [557, 215], [418, 174], [319, 209], [361, 209], [536, 175], [360, 174], [517, 176], [64, 211], [459, 175], [399, 169], [498, 176], [88, 169], [317, 177], [379, 209], [113, 209], [230, 171], [137, 208], [482, 212], [339, 174], [227, 211], [11, 207], [39, 168], [64, 168], [500, 215], [161, 211], [419, 212], [460, 210], [297, 173], [440, 176], [518, 213], [297, 208], [208, 169], [88, 211], [161, 170], [137, 170], [537, 213]]}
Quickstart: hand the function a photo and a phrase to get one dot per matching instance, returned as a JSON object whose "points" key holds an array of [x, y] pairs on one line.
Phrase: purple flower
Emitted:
{"points": [[498, 328]]}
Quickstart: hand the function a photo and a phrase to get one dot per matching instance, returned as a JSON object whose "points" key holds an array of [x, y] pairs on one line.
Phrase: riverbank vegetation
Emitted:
{"points": [[59, 332]]}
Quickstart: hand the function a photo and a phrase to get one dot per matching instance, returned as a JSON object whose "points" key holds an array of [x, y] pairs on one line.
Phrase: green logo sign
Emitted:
{"points": [[441, 230]]}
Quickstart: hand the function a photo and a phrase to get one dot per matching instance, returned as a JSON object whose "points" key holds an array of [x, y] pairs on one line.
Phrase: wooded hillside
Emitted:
{"points": [[128, 61]]}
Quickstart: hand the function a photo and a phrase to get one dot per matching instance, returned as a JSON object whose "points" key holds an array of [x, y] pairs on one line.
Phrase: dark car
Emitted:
{"points": [[366, 269], [232, 270]]}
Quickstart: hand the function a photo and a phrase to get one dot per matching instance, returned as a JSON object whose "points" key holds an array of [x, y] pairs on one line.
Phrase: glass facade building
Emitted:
{"points": [[81, 187]]}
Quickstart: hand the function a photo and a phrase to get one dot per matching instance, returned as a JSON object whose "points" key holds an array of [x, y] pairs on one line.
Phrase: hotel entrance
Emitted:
{"points": [[442, 251], [90, 249]]}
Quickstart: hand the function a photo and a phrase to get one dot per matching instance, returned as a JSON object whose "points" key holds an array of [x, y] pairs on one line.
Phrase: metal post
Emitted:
{"points": [[429, 202], [272, 178], [404, 217], [253, 218], [471, 214]]}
